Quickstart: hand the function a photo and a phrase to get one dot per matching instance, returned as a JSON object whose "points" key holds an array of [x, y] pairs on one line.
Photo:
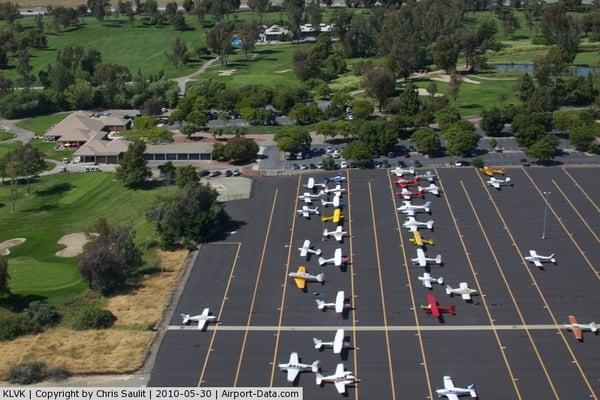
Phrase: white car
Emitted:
{"points": [[343, 164], [329, 150], [336, 153]]}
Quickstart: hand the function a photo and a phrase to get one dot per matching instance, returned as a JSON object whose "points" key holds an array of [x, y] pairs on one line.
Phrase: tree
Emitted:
{"points": [[187, 176], [11, 169], [327, 129], [510, 23], [188, 5], [492, 121], [544, 149], [454, 86], [248, 36], [360, 40], [314, 14], [447, 116], [582, 136], [559, 28], [427, 141], [259, 6], [171, 10], [445, 53], [305, 114], [4, 276], [378, 135], [218, 40], [293, 139], [80, 95], [98, 8], [31, 162], [240, 149], [133, 169], [306, 65], [178, 21], [360, 153], [529, 127], [177, 53], [461, 138], [408, 101], [525, 87], [328, 163], [167, 172], [24, 70], [361, 109], [379, 83]]}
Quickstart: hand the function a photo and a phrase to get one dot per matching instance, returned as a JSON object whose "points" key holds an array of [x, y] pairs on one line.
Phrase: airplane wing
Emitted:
{"points": [[533, 253], [537, 263], [435, 312], [337, 257], [451, 396], [417, 238], [339, 370], [305, 213], [300, 283], [448, 384], [292, 373], [338, 341], [412, 228], [341, 387], [303, 252], [205, 312], [410, 212], [427, 283], [294, 358], [466, 296], [421, 258], [201, 324], [576, 331], [339, 303]]}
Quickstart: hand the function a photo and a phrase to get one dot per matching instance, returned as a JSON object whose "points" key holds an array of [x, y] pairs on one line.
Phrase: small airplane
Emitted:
{"points": [[403, 182], [433, 189], [341, 378], [411, 209], [497, 183], [305, 250], [428, 176], [418, 240], [578, 328], [201, 319], [301, 277], [428, 280], [306, 211], [338, 259], [537, 259], [294, 367], [312, 185], [422, 261], [336, 190], [413, 225], [338, 234], [339, 304], [489, 171], [308, 197], [462, 289], [335, 178], [408, 194], [398, 171], [337, 344], [335, 202], [452, 392], [435, 310], [336, 217]]}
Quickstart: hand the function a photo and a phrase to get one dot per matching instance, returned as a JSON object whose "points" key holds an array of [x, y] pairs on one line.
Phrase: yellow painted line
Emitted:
{"points": [[581, 189], [260, 265], [285, 281], [480, 290], [381, 292], [410, 288], [576, 211], [537, 287], [216, 328], [352, 290], [569, 234], [510, 292]]}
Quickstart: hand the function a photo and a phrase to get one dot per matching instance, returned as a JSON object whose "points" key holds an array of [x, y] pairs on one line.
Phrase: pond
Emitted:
{"points": [[522, 68]]}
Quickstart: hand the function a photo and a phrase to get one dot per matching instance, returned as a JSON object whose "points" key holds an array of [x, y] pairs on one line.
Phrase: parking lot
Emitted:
{"points": [[509, 341]]}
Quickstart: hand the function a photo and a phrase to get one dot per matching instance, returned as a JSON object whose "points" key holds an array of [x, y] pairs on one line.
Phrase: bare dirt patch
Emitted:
{"points": [[227, 72], [74, 242], [7, 244]]}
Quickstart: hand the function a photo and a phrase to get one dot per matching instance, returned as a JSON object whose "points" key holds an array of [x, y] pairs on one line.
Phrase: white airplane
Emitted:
{"points": [[495, 182], [303, 275], [339, 303], [306, 211], [537, 259], [433, 189], [294, 367], [308, 198], [338, 234], [337, 344], [311, 184], [341, 378], [411, 209], [452, 392], [423, 261], [412, 224], [428, 175], [428, 280], [336, 190], [201, 319], [398, 171], [407, 194], [336, 202], [338, 259], [305, 250], [462, 289]]}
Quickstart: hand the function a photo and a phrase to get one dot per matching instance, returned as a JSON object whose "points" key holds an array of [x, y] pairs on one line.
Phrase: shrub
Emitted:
{"points": [[41, 315], [12, 325], [92, 317], [58, 373], [27, 373], [478, 162]]}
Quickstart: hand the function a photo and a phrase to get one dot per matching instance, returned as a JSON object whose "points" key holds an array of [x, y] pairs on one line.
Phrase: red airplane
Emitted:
{"points": [[403, 182], [408, 194], [436, 310], [578, 328]]}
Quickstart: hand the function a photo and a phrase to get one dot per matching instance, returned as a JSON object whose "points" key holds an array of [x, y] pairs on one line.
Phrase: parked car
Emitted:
{"points": [[236, 172], [203, 173], [391, 154], [343, 164], [524, 162], [336, 153], [299, 155], [295, 166], [329, 150], [214, 173], [401, 164], [92, 169], [312, 166], [418, 164], [65, 160], [320, 165], [386, 164], [62, 169], [303, 166], [228, 173], [378, 164]]}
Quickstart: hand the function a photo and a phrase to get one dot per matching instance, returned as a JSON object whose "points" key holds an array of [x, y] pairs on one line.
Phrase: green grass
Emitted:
{"points": [[58, 205], [47, 148], [39, 125], [6, 147], [6, 136]]}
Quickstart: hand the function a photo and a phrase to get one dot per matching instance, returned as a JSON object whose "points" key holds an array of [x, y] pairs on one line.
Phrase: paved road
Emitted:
{"points": [[23, 135], [182, 80]]}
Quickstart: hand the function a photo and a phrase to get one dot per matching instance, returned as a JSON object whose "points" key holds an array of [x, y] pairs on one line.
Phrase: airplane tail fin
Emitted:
{"points": [[593, 327], [448, 289], [420, 188], [318, 378], [452, 310], [315, 366], [440, 280], [472, 392], [430, 224], [552, 259], [318, 343], [427, 206], [321, 278], [186, 318], [320, 304], [438, 259], [507, 179], [323, 203], [325, 232], [321, 261]]}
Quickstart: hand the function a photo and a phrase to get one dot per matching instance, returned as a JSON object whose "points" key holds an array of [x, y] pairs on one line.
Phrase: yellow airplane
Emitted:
{"points": [[301, 277], [418, 240], [489, 171], [335, 218]]}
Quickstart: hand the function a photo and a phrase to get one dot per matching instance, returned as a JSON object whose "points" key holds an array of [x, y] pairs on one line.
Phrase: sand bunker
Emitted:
{"points": [[446, 78], [7, 244], [424, 92], [283, 71], [227, 72], [74, 242]]}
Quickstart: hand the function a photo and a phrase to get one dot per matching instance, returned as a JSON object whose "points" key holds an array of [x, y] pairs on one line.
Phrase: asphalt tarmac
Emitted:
{"points": [[508, 340]]}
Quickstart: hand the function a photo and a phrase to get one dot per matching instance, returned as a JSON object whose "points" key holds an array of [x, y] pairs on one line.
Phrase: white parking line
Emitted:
{"points": [[369, 328]]}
